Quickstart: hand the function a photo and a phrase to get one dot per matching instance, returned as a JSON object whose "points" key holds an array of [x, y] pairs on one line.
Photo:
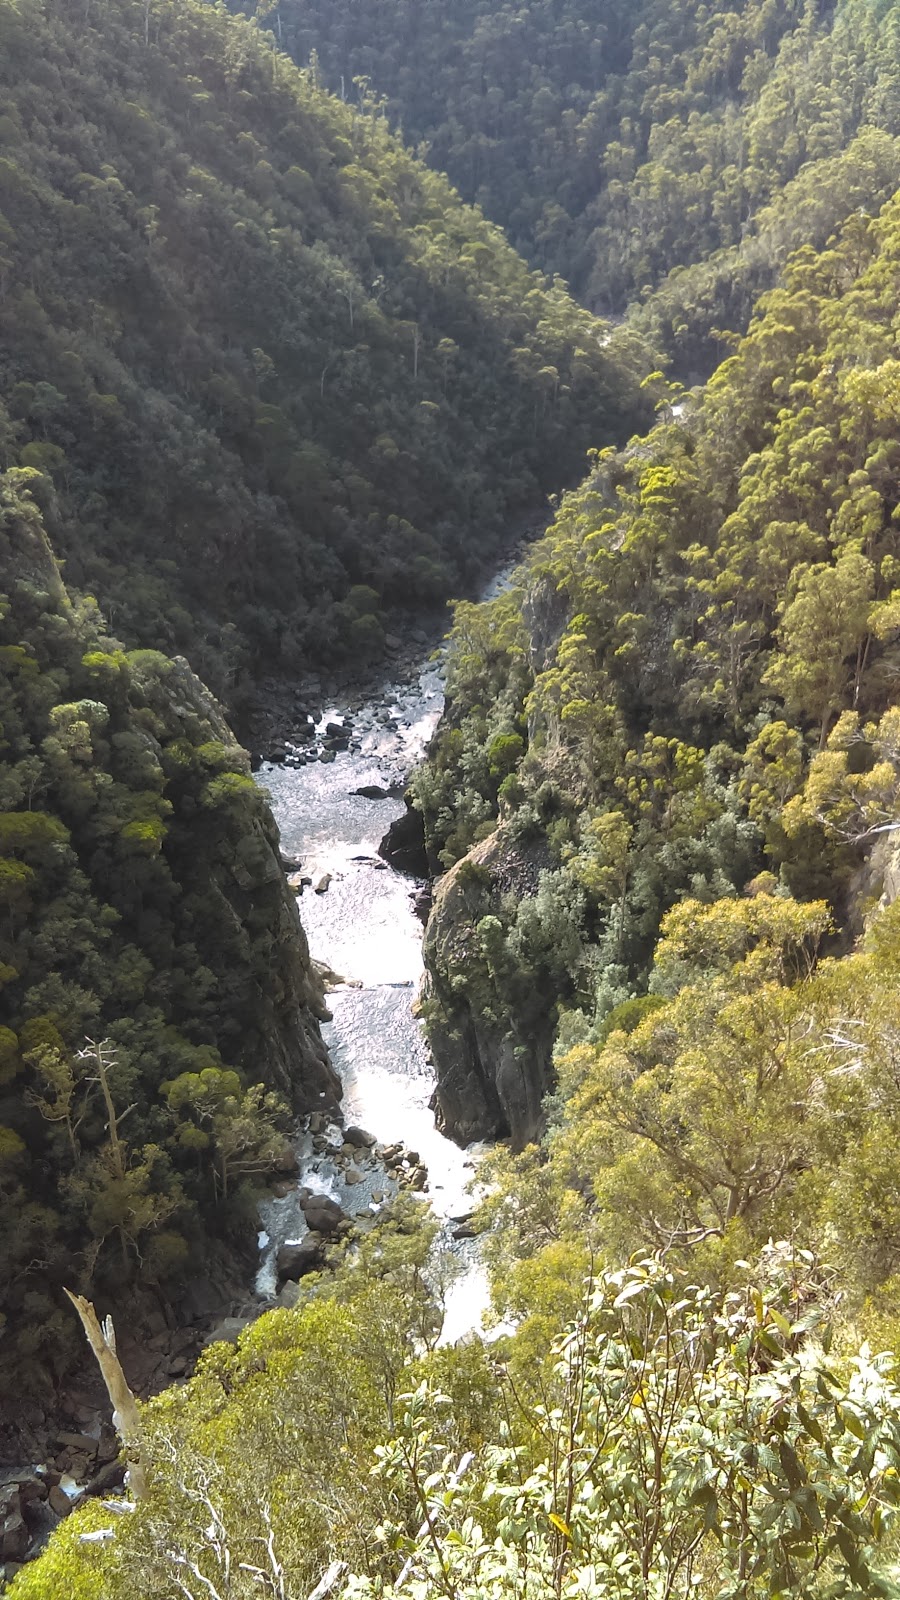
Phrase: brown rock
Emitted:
{"points": [[14, 1535], [78, 1441], [59, 1501], [323, 1214], [359, 1137], [296, 1260], [109, 1477]]}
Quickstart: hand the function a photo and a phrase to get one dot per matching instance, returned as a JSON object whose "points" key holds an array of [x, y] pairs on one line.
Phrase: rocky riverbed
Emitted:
{"points": [[353, 851]]}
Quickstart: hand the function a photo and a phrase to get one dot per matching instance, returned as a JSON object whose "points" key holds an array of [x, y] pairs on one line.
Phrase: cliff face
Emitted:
{"points": [[282, 998], [490, 1017]]}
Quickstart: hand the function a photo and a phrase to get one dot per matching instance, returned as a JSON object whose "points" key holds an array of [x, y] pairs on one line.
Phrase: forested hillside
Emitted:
{"points": [[143, 910], [620, 143], [269, 378], [670, 749], [278, 379], [691, 691]]}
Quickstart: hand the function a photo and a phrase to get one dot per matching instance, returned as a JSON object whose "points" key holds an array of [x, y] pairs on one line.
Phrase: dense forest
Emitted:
{"points": [[277, 378], [263, 378], [661, 807], [648, 151], [159, 1016]]}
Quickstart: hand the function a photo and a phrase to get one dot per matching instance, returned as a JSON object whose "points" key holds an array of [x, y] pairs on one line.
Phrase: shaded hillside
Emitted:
{"points": [[279, 378], [617, 144], [142, 907]]}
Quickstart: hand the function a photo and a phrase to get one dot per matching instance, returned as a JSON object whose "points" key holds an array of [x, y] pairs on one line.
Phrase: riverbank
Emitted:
{"points": [[280, 714]]}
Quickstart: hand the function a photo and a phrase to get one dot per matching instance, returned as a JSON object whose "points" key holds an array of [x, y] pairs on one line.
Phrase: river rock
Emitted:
{"points": [[327, 755], [15, 1535], [296, 1258], [290, 863], [323, 883], [59, 1501], [422, 901], [352, 1174], [330, 978], [78, 1441], [110, 1476], [228, 1330], [372, 791], [359, 1137], [323, 1214], [403, 846]]}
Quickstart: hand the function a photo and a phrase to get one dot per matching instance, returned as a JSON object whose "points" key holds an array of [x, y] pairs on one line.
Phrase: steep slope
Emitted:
{"points": [[144, 908], [712, 608], [280, 378], [618, 144]]}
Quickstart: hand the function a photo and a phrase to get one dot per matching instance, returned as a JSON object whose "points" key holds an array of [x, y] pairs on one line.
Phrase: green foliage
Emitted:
{"points": [[691, 1444], [671, 154], [270, 375], [705, 610], [141, 904]]}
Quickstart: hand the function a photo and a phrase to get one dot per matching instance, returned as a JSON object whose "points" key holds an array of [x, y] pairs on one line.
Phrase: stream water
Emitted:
{"points": [[365, 928]]}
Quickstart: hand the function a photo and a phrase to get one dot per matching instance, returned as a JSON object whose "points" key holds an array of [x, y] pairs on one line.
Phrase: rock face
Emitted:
{"points": [[491, 1035], [403, 846], [291, 998], [323, 1215], [296, 1260]]}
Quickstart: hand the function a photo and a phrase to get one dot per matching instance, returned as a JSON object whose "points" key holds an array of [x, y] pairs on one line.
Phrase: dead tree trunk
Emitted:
{"points": [[126, 1417]]}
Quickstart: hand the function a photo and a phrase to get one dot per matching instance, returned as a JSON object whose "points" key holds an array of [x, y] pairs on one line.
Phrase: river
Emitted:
{"points": [[365, 928]]}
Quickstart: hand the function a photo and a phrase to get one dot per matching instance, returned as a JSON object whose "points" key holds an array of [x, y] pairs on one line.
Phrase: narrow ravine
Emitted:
{"points": [[364, 927]]}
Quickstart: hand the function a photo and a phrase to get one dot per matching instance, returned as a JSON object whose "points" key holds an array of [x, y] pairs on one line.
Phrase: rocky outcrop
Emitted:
{"points": [[403, 846], [285, 996], [490, 1026]]}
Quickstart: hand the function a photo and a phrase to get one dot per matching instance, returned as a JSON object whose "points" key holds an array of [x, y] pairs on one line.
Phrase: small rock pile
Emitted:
{"points": [[409, 1171], [34, 1499]]}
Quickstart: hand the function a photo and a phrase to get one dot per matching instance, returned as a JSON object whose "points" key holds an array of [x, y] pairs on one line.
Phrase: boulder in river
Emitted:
{"points": [[323, 1214], [359, 1137], [323, 883], [372, 791], [403, 846], [15, 1535], [297, 1257]]}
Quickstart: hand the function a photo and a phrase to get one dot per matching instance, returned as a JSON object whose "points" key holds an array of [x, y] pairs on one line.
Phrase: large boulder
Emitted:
{"points": [[296, 1258], [359, 1138], [323, 1214], [403, 846]]}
